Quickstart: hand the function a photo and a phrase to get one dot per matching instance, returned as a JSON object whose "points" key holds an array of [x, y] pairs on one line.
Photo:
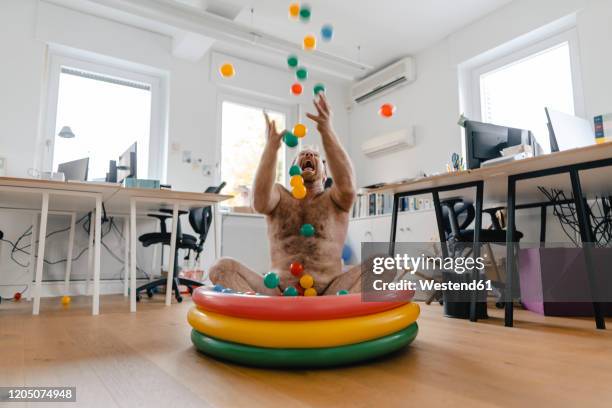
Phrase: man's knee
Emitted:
{"points": [[221, 268]]}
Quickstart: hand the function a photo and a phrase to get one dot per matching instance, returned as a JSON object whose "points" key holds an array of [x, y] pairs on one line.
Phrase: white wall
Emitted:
{"points": [[28, 26]]}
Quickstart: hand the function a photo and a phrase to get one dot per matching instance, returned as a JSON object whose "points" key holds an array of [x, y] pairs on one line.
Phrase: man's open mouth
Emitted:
{"points": [[308, 165]]}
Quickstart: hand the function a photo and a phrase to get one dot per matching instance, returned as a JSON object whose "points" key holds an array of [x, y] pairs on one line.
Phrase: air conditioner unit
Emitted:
{"points": [[389, 142], [400, 73]]}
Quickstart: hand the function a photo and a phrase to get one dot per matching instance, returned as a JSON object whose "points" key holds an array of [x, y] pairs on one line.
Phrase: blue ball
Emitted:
{"points": [[346, 253], [218, 288], [327, 32]]}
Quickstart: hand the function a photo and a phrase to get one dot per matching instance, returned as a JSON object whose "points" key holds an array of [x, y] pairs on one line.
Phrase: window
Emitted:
{"points": [[515, 90], [243, 139], [108, 110]]}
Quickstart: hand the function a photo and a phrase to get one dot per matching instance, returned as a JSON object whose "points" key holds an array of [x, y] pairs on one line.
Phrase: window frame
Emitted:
{"points": [[569, 36], [158, 138], [290, 112]]}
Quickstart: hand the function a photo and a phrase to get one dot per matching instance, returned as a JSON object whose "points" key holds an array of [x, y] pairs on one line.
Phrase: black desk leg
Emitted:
{"points": [[440, 223], [587, 241], [543, 214], [476, 249], [510, 259], [396, 198]]}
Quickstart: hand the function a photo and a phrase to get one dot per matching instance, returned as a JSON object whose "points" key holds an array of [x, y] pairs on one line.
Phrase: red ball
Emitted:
{"points": [[17, 296], [387, 110], [300, 289], [296, 269], [296, 89]]}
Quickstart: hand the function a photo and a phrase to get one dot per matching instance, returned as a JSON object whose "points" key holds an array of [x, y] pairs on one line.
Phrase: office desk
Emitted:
{"points": [[73, 197], [568, 170], [133, 200], [23, 194]]}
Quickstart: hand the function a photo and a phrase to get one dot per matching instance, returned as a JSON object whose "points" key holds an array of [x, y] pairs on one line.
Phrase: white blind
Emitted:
{"points": [[104, 78]]}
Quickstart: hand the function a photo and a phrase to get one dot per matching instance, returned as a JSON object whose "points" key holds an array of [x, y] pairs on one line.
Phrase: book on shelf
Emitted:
{"points": [[603, 128], [371, 204]]}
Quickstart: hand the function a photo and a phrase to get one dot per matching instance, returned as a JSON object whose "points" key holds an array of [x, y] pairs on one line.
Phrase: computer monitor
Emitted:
{"points": [[75, 170], [127, 164], [111, 176], [485, 141], [568, 131]]}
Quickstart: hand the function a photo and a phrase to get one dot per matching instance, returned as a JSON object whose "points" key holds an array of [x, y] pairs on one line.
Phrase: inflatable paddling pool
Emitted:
{"points": [[322, 331]]}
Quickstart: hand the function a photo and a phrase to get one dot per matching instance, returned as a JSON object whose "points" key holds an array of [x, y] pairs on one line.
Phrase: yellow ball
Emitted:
{"points": [[310, 292], [310, 42], [306, 281], [299, 192], [227, 70], [294, 10], [66, 300], [296, 181], [300, 130]]}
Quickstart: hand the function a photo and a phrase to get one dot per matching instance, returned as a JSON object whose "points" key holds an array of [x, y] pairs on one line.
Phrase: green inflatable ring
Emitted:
{"points": [[303, 358]]}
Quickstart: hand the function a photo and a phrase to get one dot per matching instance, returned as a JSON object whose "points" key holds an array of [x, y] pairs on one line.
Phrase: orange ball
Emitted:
{"points": [[300, 130], [299, 192], [296, 89], [310, 42], [296, 181], [227, 70], [294, 10], [386, 110], [306, 281], [310, 292]]}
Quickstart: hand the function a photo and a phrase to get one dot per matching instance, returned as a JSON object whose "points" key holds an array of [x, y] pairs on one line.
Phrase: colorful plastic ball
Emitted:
{"points": [[297, 89], [65, 300], [299, 289], [301, 74], [342, 292], [327, 32], [300, 130], [310, 292], [290, 139], [271, 280], [290, 291], [346, 253], [295, 170], [218, 288], [318, 88], [227, 70], [309, 43], [386, 110], [299, 192], [306, 281], [296, 269], [307, 230], [227, 290], [295, 181], [292, 61], [305, 13], [294, 10]]}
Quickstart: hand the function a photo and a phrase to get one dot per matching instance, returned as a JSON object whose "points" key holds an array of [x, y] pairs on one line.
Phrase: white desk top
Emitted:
{"points": [[595, 181]]}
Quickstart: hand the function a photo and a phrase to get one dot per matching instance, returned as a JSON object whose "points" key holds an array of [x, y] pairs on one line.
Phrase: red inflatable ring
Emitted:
{"points": [[296, 308]]}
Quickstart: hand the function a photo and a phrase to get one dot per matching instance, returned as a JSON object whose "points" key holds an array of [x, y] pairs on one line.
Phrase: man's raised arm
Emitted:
{"points": [[265, 193], [338, 161]]}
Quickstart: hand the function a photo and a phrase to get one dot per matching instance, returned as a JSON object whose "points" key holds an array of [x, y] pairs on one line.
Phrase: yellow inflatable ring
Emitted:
{"points": [[303, 334]]}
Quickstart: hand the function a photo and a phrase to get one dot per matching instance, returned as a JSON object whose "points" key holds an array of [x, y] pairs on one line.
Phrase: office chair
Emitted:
{"points": [[457, 217], [200, 220]]}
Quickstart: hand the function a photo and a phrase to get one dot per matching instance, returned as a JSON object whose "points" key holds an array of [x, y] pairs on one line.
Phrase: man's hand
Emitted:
{"points": [[274, 138], [324, 113]]}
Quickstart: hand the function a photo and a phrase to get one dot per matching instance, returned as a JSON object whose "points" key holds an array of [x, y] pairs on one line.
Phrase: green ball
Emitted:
{"points": [[318, 88], [292, 61], [290, 139], [295, 170], [342, 292], [307, 230], [305, 13], [301, 74], [271, 280], [290, 291]]}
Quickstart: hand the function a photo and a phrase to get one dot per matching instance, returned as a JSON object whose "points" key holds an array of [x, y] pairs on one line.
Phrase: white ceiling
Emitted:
{"points": [[385, 29]]}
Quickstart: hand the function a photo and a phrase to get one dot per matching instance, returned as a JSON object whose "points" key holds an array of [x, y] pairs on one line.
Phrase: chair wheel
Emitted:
{"points": [[441, 302], [179, 299], [138, 297], [500, 305], [190, 290], [150, 293]]}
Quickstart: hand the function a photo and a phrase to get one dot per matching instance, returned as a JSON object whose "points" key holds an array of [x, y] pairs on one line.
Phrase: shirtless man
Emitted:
{"points": [[327, 210]]}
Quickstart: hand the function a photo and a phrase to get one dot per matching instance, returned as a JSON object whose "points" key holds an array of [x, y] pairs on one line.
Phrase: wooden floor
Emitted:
{"points": [[146, 359]]}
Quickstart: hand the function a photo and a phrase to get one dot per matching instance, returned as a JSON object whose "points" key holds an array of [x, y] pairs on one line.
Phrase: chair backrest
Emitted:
{"points": [[201, 218], [457, 215]]}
